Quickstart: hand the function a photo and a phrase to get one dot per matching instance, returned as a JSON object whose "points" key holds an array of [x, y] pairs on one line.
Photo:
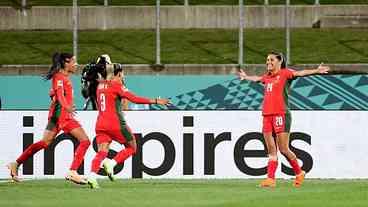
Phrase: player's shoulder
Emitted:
{"points": [[287, 70], [59, 76], [119, 86]]}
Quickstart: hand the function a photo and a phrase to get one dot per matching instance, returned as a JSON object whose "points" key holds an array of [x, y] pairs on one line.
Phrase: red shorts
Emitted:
{"points": [[276, 123], [122, 136], [65, 125]]}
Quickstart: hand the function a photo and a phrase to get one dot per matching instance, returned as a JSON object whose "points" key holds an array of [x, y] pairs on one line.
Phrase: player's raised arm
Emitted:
{"points": [[243, 76], [320, 70]]}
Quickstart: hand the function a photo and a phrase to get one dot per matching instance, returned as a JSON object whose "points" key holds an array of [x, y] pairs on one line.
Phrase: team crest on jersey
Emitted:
{"points": [[60, 83]]}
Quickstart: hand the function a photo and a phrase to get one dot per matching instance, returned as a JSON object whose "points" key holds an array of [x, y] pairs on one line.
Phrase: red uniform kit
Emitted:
{"points": [[110, 121], [61, 94], [276, 114]]}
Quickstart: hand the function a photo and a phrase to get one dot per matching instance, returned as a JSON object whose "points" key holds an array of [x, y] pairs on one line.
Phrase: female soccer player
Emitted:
{"points": [[276, 114], [61, 117], [111, 124]]}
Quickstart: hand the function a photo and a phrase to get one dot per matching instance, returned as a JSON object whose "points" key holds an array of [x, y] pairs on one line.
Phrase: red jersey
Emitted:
{"points": [[61, 94], [276, 92], [109, 96]]}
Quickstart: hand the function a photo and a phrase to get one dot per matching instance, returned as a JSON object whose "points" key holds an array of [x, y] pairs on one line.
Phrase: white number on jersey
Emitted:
{"points": [[102, 102], [279, 121]]}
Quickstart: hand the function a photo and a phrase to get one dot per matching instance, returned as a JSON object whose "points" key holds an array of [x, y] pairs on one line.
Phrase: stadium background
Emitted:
{"points": [[196, 69]]}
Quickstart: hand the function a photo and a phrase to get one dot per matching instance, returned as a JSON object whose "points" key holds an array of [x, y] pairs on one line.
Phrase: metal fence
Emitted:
{"points": [[241, 40], [240, 24]]}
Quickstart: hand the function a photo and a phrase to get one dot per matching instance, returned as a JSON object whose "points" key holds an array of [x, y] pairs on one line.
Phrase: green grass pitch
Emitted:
{"points": [[180, 46], [172, 193]]}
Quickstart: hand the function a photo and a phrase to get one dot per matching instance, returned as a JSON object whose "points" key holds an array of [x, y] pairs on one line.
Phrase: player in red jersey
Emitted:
{"points": [[61, 117], [276, 114], [111, 124]]}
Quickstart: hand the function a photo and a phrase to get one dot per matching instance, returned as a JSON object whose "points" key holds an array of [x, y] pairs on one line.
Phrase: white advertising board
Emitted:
{"points": [[201, 144]]}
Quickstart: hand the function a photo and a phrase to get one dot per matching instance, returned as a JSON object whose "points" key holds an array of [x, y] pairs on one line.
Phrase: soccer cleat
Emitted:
{"points": [[268, 183], [74, 177], [13, 167], [92, 182], [109, 169], [299, 179]]}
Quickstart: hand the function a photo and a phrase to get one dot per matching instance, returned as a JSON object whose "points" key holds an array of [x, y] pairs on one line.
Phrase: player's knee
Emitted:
{"points": [[272, 157], [133, 148], [85, 142], [284, 151], [46, 142]]}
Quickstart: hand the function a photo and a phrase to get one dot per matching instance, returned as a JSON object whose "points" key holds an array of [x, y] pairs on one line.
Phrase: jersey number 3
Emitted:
{"points": [[102, 102]]}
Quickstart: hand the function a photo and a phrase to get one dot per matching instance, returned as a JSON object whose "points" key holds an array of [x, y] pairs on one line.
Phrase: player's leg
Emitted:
{"points": [[272, 153], [48, 137], [125, 137], [270, 181], [129, 143], [75, 129], [103, 143], [283, 144]]}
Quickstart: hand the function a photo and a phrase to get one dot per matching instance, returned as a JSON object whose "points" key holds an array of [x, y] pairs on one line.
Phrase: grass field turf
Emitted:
{"points": [[172, 193], [203, 46]]}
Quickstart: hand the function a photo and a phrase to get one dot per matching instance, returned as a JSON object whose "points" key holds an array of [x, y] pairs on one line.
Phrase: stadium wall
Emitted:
{"points": [[204, 92], [199, 144], [143, 17]]}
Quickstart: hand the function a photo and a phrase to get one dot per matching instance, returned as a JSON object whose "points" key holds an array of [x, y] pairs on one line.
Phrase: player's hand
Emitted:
{"points": [[162, 101], [323, 69], [241, 74]]}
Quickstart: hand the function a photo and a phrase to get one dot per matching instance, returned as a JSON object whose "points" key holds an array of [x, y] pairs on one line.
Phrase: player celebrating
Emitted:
{"points": [[276, 114], [111, 124], [61, 117]]}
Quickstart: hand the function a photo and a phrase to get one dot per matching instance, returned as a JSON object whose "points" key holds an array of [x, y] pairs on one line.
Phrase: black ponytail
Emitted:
{"points": [[58, 62]]}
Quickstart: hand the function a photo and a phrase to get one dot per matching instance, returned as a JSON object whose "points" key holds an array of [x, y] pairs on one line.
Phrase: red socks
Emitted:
{"points": [[295, 166], [124, 154], [96, 162], [79, 154], [271, 168], [30, 151]]}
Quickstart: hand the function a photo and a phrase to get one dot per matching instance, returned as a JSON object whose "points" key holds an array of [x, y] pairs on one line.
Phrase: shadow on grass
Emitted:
{"points": [[347, 44], [201, 46], [130, 53], [39, 50]]}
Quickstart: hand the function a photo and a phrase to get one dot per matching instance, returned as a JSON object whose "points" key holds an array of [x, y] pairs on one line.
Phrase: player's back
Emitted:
{"points": [[109, 106]]}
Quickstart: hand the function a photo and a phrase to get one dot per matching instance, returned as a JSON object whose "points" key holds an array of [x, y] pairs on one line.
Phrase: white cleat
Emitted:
{"points": [[109, 169]]}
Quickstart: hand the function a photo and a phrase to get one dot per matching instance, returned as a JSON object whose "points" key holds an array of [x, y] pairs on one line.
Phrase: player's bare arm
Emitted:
{"points": [[320, 70], [243, 76]]}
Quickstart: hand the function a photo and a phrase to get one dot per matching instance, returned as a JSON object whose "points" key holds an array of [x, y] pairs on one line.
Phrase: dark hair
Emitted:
{"points": [[280, 57], [58, 62], [117, 69]]}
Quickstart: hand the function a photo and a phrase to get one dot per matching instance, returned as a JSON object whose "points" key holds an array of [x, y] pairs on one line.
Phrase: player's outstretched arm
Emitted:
{"points": [[320, 70], [142, 100], [243, 76]]}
